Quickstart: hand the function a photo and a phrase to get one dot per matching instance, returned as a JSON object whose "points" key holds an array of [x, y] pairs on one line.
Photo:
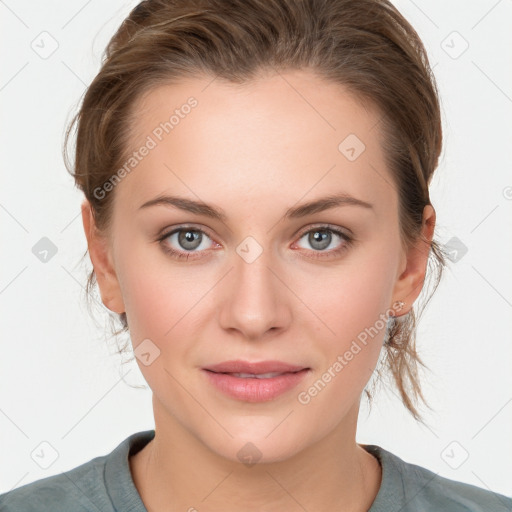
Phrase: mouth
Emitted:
{"points": [[255, 375], [255, 381], [254, 368]]}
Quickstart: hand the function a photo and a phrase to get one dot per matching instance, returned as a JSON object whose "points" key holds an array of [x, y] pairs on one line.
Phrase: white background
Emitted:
{"points": [[60, 382]]}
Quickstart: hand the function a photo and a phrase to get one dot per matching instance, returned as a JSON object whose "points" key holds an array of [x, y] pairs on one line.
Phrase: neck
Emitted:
{"points": [[176, 471]]}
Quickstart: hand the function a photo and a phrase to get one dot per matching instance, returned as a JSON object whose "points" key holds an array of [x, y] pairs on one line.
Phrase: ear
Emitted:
{"points": [[410, 282], [101, 258]]}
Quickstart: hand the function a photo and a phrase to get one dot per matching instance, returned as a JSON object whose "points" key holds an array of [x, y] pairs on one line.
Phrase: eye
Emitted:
{"points": [[184, 241], [322, 237]]}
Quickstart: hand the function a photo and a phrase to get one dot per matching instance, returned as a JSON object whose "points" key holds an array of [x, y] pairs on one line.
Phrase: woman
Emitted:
{"points": [[257, 213]]}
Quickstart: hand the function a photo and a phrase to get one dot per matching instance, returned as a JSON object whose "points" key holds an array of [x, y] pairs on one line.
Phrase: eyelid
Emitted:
{"points": [[169, 230], [326, 226]]}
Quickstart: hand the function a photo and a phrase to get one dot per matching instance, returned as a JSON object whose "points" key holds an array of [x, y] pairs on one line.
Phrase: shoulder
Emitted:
{"points": [[422, 489], [440, 493], [102, 484], [79, 489]]}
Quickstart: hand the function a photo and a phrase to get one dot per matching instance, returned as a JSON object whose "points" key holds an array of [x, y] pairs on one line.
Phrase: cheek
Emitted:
{"points": [[349, 339], [160, 307], [350, 322], [149, 305], [351, 299], [167, 304], [159, 295]]}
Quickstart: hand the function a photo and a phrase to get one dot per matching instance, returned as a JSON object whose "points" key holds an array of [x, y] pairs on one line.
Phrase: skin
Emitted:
{"points": [[254, 151]]}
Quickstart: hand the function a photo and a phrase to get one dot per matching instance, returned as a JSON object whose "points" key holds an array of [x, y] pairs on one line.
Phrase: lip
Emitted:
{"points": [[253, 389], [256, 368]]}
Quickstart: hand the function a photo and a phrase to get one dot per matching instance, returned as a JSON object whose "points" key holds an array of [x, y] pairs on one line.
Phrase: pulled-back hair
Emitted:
{"points": [[365, 45]]}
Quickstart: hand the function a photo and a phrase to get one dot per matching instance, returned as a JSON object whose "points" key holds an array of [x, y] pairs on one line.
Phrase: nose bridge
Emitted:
{"points": [[254, 302]]}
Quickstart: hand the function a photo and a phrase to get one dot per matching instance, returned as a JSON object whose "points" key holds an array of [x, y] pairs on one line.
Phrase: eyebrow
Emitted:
{"points": [[200, 208]]}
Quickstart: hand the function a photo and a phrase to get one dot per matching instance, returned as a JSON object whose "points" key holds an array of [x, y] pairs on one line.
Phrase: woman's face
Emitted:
{"points": [[262, 278]]}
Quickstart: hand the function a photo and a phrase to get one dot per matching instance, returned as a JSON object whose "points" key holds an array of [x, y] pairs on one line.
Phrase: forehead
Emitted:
{"points": [[289, 134]]}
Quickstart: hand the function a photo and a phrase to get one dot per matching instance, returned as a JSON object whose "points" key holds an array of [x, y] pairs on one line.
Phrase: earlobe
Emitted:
{"points": [[410, 282], [102, 262]]}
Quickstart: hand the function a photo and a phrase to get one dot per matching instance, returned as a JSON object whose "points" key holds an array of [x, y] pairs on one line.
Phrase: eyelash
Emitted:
{"points": [[347, 241]]}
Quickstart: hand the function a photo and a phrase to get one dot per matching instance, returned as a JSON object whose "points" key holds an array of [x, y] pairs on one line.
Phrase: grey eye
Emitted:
{"points": [[319, 239], [188, 238]]}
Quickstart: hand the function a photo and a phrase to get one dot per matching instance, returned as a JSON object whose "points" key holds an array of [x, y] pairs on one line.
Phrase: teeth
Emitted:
{"points": [[254, 376]]}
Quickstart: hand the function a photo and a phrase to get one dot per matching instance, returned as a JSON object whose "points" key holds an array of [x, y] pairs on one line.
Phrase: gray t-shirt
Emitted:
{"points": [[105, 484]]}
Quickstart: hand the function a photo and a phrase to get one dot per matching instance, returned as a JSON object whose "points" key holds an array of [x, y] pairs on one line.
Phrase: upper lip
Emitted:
{"points": [[254, 368]]}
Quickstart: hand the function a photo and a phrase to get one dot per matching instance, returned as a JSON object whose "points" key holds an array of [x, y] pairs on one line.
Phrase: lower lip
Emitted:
{"points": [[255, 390]]}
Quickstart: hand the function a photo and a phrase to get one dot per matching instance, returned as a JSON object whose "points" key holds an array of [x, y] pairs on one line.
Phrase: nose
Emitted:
{"points": [[256, 300]]}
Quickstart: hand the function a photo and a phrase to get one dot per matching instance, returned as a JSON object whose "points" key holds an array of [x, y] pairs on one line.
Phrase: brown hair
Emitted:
{"points": [[365, 45]]}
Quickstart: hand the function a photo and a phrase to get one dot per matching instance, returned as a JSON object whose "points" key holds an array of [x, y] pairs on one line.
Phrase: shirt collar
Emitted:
{"points": [[118, 478], [126, 498]]}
